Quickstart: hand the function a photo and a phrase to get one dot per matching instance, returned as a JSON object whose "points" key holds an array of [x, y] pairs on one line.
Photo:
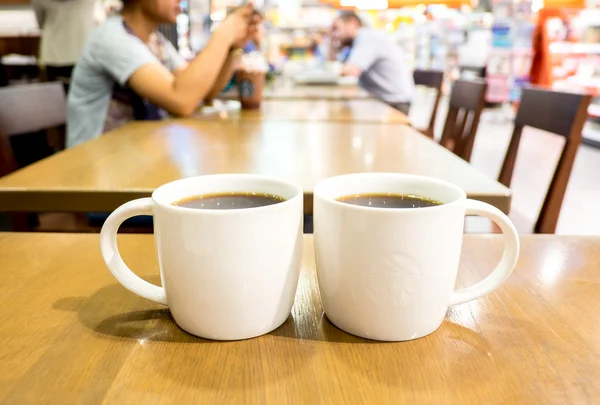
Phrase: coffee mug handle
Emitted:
{"points": [[112, 258], [507, 262]]}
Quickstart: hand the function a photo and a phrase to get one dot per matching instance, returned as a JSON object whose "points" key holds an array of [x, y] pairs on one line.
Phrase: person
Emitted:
{"points": [[65, 25], [318, 45], [376, 60], [129, 71], [253, 44], [255, 41]]}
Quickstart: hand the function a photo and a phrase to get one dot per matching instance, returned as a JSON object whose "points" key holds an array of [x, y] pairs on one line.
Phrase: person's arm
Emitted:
{"points": [[234, 58], [225, 76], [180, 94], [351, 70], [40, 12], [362, 56], [332, 50], [179, 65]]}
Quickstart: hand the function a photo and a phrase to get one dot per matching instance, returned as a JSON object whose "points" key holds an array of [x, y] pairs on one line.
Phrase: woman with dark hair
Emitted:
{"points": [[129, 70], [65, 25]]}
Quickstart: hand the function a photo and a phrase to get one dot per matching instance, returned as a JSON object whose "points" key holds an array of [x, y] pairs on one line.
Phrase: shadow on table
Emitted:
{"points": [[316, 328], [453, 356], [158, 345], [320, 328], [114, 311], [453, 360]]}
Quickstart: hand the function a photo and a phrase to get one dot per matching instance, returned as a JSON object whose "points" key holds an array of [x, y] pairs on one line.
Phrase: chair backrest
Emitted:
{"points": [[466, 104], [563, 114], [28, 108], [32, 107], [432, 79], [8, 164], [3, 75]]}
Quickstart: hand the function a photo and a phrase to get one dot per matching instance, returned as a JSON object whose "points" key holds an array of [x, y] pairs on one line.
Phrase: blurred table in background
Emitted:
{"points": [[132, 161], [359, 111], [18, 68], [282, 89], [25, 44], [71, 334], [322, 92]]}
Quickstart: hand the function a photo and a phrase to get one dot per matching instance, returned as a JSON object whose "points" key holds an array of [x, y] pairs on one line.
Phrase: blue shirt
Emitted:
{"points": [[250, 47], [385, 72]]}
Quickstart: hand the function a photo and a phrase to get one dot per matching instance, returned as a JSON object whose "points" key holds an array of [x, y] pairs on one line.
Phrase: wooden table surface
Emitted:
{"points": [[282, 89], [363, 111], [132, 161], [71, 334]]}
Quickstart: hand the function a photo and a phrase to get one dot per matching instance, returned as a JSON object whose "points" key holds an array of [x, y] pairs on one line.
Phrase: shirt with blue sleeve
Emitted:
{"points": [[385, 72], [111, 55]]}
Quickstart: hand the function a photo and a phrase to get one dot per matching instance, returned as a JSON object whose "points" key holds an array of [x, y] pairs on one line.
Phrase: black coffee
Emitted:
{"points": [[229, 201], [388, 200]]}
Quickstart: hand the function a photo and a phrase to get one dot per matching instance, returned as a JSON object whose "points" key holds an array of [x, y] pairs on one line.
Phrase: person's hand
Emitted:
{"points": [[351, 70], [235, 27], [253, 32]]}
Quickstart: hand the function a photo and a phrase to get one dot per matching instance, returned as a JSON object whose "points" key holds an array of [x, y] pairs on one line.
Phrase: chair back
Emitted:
{"points": [[431, 79], [466, 104], [560, 113], [30, 108]]}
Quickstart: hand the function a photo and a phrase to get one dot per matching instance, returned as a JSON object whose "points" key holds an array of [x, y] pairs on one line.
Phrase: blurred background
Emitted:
{"points": [[491, 39]]}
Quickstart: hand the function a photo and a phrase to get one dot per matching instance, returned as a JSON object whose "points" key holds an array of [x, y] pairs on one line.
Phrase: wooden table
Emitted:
{"points": [[363, 111], [282, 89], [132, 161], [71, 334]]}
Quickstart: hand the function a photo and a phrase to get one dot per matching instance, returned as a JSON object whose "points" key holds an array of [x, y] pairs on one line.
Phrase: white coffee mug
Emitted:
{"points": [[226, 274], [389, 273]]}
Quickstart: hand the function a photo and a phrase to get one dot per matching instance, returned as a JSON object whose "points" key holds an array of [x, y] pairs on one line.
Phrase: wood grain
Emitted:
{"points": [[132, 161], [71, 334], [361, 111]]}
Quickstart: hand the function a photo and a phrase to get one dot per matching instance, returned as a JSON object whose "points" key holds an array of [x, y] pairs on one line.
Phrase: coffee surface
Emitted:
{"points": [[389, 200], [229, 201]]}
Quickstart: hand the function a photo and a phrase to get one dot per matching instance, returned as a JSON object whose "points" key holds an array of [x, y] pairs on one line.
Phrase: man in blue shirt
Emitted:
{"points": [[377, 61]]}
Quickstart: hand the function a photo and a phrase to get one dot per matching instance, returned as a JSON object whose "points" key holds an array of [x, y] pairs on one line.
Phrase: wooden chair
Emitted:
{"points": [[3, 74], [432, 79], [563, 114], [30, 108], [466, 104], [33, 107], [26, 109]]}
